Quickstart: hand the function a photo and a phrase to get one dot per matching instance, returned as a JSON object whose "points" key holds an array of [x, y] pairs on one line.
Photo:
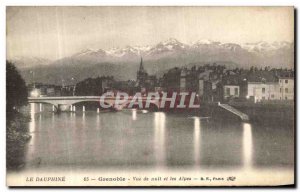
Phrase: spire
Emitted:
{"points": [[141, 65]]}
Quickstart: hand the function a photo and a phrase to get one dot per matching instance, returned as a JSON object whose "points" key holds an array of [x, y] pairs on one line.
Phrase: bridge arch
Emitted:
{"points": [[47, 103]]}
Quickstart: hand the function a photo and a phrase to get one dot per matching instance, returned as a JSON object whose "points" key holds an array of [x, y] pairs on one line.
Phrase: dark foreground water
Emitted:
{"points": [[140, 139]]}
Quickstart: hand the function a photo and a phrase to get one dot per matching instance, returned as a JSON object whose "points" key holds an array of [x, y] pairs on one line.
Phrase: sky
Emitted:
{"points": [[57, 32]]}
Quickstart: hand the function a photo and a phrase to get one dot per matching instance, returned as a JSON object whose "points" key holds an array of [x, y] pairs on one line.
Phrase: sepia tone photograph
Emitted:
{"points": [[150, 96]]}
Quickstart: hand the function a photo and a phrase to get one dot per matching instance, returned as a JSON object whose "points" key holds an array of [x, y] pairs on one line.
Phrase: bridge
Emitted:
{"points": [[66, 103]]}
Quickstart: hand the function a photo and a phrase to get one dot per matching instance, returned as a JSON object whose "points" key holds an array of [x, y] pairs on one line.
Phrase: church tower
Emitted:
{"points": [[141, 65], [142, 75]]}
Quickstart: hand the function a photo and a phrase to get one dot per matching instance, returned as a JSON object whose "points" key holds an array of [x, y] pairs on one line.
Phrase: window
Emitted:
{"points": [[263, 98], [227, 91], [286, 81], [285, 98], [286, 90], [272, 96], [263, 90], [236, 91], [280, 90]]}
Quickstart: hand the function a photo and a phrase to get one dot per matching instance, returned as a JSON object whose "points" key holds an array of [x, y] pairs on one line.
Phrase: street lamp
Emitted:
{"points": [[34, 93]]}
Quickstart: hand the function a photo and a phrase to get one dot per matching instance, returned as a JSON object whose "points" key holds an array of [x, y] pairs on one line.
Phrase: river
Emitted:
{"points": [[137, 140]]}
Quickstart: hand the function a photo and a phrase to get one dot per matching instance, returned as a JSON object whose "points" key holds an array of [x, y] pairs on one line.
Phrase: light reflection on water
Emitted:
{"points": [[83, 120], [197, 141], [32, 127], [159, 138], [122, 139], [98, 124], [32, 114], [134, 114], [247, 145]]}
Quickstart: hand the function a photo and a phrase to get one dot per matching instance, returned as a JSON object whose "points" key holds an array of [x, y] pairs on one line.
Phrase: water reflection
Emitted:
{"points": [[40, 120], [134, 114], [197, 141], [32, 130], [98, 122], [32, 121], [41, 107], [83, 120], [247, 145], [53, 119], [156, 139], [159, 138]]}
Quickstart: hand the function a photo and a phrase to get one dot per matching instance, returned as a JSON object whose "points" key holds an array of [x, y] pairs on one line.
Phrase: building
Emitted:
{"points": [[128, 86], [286, 88], [202, 80], [233, 85], [44, 90], [91, 86], [269, 85], [183, 80], [171, 80], [214, 83], [151, 82], [106, 83], [260, 91], [231, 91]]}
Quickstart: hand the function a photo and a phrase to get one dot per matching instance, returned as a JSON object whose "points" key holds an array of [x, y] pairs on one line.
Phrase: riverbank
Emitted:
{"points": [[268, 113], [259, 113], [282, 113], [16, 138]]}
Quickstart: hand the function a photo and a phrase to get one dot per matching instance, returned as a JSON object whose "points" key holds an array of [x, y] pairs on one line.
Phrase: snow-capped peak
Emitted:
{"points": [[143, 48], [265, 46], [87, 50], [90, 52], [84, 52], [171, 41], [205, 42], [172, 45]]}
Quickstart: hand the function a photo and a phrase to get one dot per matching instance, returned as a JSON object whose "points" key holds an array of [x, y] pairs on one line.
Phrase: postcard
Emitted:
{"points": [[150, 96]]}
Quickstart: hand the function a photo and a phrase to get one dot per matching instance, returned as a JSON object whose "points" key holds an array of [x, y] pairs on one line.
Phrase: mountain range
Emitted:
{"points": [[122, 63]]}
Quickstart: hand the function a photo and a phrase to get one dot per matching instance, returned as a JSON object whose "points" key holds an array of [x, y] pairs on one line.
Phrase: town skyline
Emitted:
{"points": [[210, 82]]}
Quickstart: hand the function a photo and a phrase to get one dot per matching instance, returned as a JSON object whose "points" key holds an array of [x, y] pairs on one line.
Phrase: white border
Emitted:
{"points": [[5, 3]]}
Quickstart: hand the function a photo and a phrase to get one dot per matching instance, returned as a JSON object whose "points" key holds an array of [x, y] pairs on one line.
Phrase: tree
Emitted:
{"points": [[16, 90]]}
